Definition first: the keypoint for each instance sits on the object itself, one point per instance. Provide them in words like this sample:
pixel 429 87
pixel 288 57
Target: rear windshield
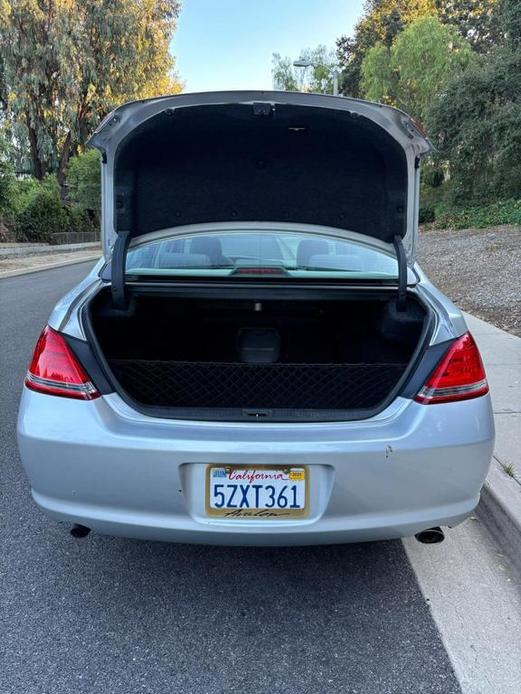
pixel 260 253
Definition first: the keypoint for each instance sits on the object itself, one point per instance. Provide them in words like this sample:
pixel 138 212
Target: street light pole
pixel 303 63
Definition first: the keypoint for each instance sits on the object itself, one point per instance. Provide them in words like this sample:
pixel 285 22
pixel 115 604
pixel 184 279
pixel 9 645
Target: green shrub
pixel 84 180
pixel 6 177
pixel 6 184
pixel 478 217
pixel 430 196
pixel 81 220
pixel 39 211
pixel 426 213
pixel 475 123
pixel 432 177
pixel 22 191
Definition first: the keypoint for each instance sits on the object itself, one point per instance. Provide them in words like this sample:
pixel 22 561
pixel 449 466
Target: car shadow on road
pixel 307 618
pixel 159 617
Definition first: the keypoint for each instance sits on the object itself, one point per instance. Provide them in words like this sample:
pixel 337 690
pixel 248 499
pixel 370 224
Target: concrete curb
pixel 500 507
pixel 49 266
pixel 500 511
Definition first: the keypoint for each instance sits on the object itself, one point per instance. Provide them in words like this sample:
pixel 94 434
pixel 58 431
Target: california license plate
pixel 262 492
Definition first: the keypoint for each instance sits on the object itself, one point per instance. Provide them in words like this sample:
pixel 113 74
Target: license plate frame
pixel 262 513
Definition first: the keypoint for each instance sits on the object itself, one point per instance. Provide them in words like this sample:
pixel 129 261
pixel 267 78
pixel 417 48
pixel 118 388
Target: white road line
pixel 475 600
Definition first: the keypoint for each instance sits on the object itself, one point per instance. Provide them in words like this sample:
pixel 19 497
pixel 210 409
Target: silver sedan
pixel 257 359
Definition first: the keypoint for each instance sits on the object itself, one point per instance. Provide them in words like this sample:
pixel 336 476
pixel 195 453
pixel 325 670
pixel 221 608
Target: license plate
pixel 260 492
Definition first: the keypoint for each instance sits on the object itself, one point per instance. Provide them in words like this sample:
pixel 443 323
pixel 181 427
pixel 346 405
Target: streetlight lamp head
pixel 302 63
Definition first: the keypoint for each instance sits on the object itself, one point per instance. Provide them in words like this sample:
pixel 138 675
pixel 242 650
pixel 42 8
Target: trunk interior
pixel 243 358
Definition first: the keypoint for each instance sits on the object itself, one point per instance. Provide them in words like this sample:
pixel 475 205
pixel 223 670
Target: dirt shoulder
pixel 479 269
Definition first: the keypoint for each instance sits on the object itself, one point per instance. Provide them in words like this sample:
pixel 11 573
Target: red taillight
pixel 459 375
pixel 55 370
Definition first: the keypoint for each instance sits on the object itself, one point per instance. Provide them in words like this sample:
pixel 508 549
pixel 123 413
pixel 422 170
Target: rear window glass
pixel 260 252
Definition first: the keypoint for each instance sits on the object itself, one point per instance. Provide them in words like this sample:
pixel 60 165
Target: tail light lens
pixel 460 375
pixel 55 370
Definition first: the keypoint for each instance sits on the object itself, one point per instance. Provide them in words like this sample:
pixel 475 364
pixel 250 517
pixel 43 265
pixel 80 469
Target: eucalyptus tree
pixel 66 63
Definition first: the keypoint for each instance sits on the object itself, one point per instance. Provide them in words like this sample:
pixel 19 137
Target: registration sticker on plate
pixel 262 492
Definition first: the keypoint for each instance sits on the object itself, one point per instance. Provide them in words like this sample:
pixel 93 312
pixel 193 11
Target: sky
pixel 228 44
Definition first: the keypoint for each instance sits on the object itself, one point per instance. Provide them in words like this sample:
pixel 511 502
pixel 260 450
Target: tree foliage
pixel 284 75
pixel 84 180
pixel 511 23
pixel 66 63
pixel 477 21
pixel 414 70
pixel 476 125
pixel 425 55
pixel 385 19
pixel 474 20
pixel 379 80
pixel 6 176
pixel 317 78
pixel 381 22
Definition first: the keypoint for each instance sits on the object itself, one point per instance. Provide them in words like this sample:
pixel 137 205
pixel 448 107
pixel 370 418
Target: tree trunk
pixel 64 159
pixel 38 165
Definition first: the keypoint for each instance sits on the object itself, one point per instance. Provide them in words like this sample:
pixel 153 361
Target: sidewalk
pixel 501 497
pixel 11 250
pixel 17 259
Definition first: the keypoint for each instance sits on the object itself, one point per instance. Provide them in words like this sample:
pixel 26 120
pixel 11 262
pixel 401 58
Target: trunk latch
pixel 257 414
pixel 263 110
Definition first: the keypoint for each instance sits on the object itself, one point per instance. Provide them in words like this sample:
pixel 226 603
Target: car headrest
pixel 255 246
pixel 336 262
pixel 208 245
pixel 177 260
pixel 310 247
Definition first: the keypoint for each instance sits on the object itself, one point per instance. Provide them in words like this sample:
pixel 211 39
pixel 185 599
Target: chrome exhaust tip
pixel 431 536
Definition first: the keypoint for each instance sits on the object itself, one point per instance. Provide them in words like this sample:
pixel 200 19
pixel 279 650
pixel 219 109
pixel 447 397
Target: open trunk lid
pixel 259 156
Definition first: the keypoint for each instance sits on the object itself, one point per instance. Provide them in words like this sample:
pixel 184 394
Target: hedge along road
pixel 115 615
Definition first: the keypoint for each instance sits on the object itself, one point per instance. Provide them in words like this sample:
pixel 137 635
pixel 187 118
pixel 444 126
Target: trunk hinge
pixel 401 301
pixel 119 257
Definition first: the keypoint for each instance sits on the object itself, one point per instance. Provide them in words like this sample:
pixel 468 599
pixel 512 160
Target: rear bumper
pixel 103 465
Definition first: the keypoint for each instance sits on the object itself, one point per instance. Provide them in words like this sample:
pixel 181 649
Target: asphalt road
pixel 107 615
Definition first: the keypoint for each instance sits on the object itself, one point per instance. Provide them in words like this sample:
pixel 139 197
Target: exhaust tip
pixel 79 531
pixel 431 536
